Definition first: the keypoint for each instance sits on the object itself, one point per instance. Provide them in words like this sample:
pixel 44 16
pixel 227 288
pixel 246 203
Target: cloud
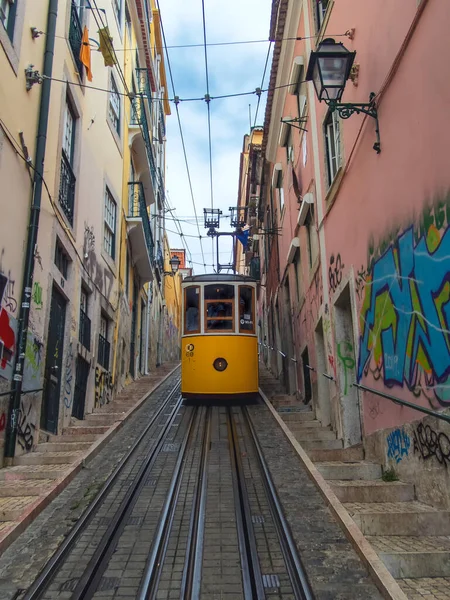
pixel 231 69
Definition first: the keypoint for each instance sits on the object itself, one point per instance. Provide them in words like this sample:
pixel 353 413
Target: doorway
pixel 323 405
pixel 306 376
pixel 79 396
pixel 133 330
pixel 142 336
pixel 346 363
pixel 53 363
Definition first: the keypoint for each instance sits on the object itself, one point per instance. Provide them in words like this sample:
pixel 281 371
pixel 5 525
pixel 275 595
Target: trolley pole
pixel 33 227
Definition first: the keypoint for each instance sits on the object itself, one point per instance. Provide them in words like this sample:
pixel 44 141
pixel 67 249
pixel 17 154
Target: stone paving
pixel 22 561
pixel 427 588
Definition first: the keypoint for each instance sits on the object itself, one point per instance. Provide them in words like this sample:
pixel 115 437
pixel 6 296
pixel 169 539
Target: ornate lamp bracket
pixel 346 109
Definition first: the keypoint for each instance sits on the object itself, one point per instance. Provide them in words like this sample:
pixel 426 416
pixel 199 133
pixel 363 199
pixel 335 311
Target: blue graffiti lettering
pixel 398 442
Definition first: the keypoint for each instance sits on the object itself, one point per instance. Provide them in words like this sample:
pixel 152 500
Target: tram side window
pixel 246 309
pixel 219 307
pixel 192 316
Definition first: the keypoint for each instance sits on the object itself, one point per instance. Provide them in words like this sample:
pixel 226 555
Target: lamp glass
pixel 175 264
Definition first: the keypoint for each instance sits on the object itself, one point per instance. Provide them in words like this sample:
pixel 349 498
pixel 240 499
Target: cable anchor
pixel 32 77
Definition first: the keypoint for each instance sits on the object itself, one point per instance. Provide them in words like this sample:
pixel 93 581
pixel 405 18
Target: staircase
pixel 411 538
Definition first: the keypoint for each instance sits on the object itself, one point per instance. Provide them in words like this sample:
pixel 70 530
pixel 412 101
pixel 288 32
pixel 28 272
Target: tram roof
pixel 206 277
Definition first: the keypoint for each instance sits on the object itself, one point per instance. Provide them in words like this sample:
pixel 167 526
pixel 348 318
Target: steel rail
pixel 153 567
pixel 88 582
pixel 299 579
pixel 41 582
pixel 191 581
pixel 251 570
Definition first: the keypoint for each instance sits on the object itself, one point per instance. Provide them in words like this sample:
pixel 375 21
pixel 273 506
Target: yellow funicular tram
pixel 219 346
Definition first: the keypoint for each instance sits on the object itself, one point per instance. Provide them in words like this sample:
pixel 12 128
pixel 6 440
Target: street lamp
pixel 329 68
pixel 174 263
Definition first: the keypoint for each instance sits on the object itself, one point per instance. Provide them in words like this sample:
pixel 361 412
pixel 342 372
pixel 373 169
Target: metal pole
pixel 24 314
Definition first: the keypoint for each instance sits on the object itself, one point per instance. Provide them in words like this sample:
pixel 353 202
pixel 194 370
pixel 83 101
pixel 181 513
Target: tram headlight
pixel 220 364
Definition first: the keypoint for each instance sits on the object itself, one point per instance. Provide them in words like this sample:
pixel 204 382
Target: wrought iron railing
pixel 103 352
pixel 137 208
pixel 159 259
pixel 84 333
pixel 67 188
pixel 139 117
pixel 75 36
pixel 162 124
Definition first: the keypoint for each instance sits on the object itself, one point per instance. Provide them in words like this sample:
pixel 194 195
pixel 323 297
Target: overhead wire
pixel 169 67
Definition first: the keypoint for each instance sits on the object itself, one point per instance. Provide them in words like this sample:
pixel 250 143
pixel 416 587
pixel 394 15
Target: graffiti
pixel 360 282
pixel 8 328
pixel 405 317
pixel 102 278
pixel 37 295
pixel 2 422
pixel 103 387
pixel 398 443
pixel 68 377
pixel 33 361
pixel 345 357
pixel 374 407
pixel 335 271
pixel 25 428
pixel 429 443
pixel 332 364
pixel 7 298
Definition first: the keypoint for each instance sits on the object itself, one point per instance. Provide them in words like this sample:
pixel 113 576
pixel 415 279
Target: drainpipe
pixel 33 226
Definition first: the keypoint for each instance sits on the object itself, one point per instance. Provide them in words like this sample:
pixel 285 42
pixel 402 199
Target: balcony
pixel 103 352
pixel 67 188
pixel 84 332
pixel 75 37
pixel 139 231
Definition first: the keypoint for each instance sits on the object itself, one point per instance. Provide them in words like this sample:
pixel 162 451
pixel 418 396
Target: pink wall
pixel 381 223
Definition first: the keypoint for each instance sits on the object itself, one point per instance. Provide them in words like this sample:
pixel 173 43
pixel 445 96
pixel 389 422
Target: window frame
pixel 280 190
pixel 114 106
pixel 9 19
pixel 69 111
pixel 107 227
pixel 320 8
pixel 118 10
pixel 333 135
pixel 192 331
pixel 253 313
pixel 206 318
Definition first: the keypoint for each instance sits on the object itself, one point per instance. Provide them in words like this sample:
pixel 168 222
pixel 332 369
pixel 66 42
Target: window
pixel 246 309
pixel 312 237
pixel 128 23
pixel 68 180
pixel 298 274
pixel 8 15
pixel 109 229
pixel 84 334
pixel 219 307
pixel 192 306
pixel 61 259
pixel 114 106
pixel 290 148
pixel 117 5
pixel 103 344
pixel 332 129
pixel 279 189
pixel 127 274
pixel 320 9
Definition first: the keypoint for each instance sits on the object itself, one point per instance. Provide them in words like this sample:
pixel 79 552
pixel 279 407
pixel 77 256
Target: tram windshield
pixel 192 315
pixel 219 307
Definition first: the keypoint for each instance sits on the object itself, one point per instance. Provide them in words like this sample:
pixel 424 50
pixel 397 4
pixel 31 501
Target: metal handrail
pixel 427 411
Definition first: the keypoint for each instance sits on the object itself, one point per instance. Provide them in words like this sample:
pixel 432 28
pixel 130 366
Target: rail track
pixel 163 530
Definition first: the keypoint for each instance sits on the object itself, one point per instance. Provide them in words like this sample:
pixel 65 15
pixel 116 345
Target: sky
pixel 232 69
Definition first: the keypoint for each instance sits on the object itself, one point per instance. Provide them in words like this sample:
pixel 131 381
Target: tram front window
pixel 219 307
pixel 246 309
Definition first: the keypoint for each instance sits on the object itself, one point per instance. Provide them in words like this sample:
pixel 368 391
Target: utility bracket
pixel 32 77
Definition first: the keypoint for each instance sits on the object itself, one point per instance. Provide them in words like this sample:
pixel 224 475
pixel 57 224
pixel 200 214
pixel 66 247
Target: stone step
pixel 86 430
pixel 72 438
pixel 414 556
pixel 24 487
pixel 297 416
pixel 340 455
pixel 11 508
pixel 399 518
pixel 350 470
pixel 66 446
pixel 284 400
pixel 114 408
pixel 312 434
pixel 102 419
pixel 372 491
pixel 309 445
pixel 23 472
pixel 423 588
pixel 302 425
pixel 47 458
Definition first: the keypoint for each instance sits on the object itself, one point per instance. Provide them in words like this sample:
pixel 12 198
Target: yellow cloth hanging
pixel 106 47
pixel 85 53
